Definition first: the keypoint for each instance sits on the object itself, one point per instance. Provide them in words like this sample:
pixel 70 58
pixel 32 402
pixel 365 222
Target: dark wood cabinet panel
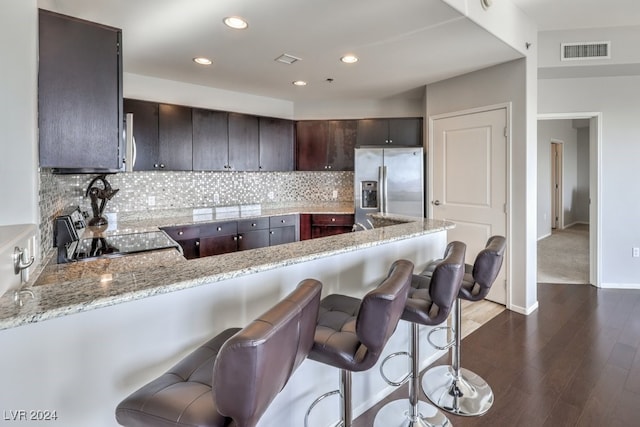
pixel 342 141
pixel 218 245
pixel 210 140
pixel 305 226
pixel 80 116
pixel 190 248
pixel 396 131
pixel 276 144
pixel 372 132
pixel 253 239
pixel 405 131
pixel 323 225
pixel 175 137
pixel 282 235
pixel 325 144
pixel 145 132
pixel 311 145
pixel 244 140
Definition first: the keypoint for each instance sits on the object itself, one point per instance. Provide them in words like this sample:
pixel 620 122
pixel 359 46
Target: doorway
pixel 568 195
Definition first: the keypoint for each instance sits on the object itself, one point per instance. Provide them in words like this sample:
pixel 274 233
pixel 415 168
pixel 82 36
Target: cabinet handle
pixel 391 141
pixel 161 165
pixel 180 233
pixel 235 238
pixel 155 165
pixel 240 237
pixel 282 221
pixel 333 220
pixel 198 243
pixel 253 224
pixel 272 232
pixel 219 228
pixel 329 166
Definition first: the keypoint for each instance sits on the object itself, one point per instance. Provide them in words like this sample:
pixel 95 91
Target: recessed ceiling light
pixel 300 83
pixel 349 59
pixel 202 61
pixel 235 22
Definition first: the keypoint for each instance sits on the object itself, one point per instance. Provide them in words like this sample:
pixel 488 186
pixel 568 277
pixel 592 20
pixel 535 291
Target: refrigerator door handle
pixel 384 189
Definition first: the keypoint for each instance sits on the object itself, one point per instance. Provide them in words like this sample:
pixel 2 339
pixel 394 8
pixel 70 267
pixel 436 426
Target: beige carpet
pixel 563 257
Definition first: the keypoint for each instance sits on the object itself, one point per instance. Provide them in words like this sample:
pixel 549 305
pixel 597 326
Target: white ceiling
pixel 574 14
pixel 402 44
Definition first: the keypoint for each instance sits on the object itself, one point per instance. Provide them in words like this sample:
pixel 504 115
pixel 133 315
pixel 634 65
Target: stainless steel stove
pixel 69 226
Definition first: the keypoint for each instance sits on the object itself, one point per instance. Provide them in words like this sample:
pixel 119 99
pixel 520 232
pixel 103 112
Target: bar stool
pixel 429 303
pixel 451 387
pixel 231 379
pixel 351 333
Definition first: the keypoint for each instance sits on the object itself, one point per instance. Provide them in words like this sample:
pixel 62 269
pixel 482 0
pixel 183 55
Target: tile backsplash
pixel 144 191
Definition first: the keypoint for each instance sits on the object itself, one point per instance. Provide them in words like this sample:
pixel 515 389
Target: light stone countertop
pixel 63 289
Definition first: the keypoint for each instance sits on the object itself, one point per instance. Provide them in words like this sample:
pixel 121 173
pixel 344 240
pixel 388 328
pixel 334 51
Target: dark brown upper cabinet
pixel 325 145
pixel 80 116
pixel 145 121
pixel 397 131
pixel 175 138
pixel 210 140
pixel 276 144
pixel 244 142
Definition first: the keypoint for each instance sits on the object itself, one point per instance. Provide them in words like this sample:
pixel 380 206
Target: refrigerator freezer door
pixel 368 167
pixel 404 181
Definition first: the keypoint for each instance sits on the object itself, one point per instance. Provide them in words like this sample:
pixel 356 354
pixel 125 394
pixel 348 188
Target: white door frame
pixel 557 195
pixel 595 184
pixel 507 106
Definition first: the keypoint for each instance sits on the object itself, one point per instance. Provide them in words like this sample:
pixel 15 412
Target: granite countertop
pixel 63 289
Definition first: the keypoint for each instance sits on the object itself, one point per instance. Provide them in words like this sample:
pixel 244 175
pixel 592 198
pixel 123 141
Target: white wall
pixel 617 99
pixel 495 85
pixel 557 131
pixel 137 86
pixel 18 106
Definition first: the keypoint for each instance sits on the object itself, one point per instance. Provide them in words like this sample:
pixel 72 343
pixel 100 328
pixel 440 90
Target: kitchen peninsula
pixel 94 331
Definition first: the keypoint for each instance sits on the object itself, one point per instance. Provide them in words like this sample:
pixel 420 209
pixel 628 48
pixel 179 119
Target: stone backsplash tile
pixel 148 191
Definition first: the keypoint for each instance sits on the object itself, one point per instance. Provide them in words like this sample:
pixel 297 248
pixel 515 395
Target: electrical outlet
pixel 151 200
pixel 635 252
pixel 216 198
pixel 335 194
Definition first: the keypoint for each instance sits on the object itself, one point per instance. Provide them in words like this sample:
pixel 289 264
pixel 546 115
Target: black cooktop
pixel 123 244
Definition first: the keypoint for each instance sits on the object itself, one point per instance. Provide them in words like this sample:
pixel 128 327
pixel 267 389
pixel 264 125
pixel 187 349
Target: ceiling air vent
pixel 581 51
pixel 285 58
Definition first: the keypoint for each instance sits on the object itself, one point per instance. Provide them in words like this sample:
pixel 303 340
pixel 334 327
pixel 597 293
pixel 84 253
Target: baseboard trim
pixel 620 285
pixel 544 237
pixel 522 310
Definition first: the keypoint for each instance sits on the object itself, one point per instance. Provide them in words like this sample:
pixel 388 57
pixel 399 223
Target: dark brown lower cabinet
pixel 323 225
pixel 219 238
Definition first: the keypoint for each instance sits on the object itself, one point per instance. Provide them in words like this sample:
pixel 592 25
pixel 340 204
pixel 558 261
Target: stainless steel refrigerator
pixel 388 180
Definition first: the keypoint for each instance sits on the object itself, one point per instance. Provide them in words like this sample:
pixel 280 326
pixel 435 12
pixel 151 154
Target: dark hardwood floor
pixel 574 362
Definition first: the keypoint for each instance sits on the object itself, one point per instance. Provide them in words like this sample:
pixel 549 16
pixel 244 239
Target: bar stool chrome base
pixel 391 415
pixel 468 395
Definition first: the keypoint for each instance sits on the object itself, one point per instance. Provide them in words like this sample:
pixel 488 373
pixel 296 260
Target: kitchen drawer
pixel 253 224
pixel 329 219
pixel 183 232
pixel 218 229
pixel 282 221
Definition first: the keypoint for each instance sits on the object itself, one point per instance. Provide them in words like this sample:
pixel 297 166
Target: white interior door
pixel 469 181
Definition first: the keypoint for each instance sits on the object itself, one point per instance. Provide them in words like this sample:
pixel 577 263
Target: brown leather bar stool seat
pixel 451 387
pixel 429 303
pixel 351 333
pixel 231 379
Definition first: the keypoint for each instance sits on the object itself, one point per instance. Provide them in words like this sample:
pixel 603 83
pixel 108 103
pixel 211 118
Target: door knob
pixel 436 202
